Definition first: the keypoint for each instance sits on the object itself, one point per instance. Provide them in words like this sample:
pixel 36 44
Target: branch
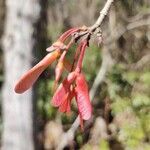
pixel 103 13
pixel 144 61
pixel 122 30
pixel 98 23
pixel 137 17
pixel 106 63
pixel 69 135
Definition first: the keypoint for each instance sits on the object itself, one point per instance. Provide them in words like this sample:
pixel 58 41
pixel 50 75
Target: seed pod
pixel 29 78
pixel 63 89
pixel 57 45
pixel 82 97
pixel 65 106
pixel 58 70
pixel 65 35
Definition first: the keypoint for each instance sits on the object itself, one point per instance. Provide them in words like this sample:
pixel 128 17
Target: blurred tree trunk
pixel 18 43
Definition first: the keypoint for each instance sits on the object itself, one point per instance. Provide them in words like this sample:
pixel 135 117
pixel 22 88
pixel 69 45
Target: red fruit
pixel 82 97
pixel 65 35
pixel 60 67
pixel 58 70
pixel 63 89
pixel 65 106
pixel 29 78
pixel 82 51
pixel 57 45
pixel 60 93
pixel 71 77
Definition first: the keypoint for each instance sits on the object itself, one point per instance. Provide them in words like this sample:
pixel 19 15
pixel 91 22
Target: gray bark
pixel 18 44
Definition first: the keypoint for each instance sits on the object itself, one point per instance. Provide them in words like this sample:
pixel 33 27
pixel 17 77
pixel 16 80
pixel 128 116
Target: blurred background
pixel 118 75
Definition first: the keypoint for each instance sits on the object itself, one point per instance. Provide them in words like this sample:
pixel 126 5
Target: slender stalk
pixel 80 60
pixel 76 55
pixel 68 136
pixel 103 13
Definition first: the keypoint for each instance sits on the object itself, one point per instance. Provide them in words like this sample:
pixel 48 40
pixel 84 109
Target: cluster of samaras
pixel 74 85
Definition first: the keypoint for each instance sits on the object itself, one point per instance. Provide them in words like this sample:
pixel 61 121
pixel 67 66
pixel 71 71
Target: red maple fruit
pixel 82 97
pixel 29 78
pixel 74 85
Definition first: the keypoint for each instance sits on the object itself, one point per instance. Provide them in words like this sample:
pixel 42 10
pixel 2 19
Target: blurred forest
pixel 118 75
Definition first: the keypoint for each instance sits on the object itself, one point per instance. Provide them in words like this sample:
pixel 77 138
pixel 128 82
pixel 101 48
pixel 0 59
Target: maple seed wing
pixel 60 94
pixel 82 97
pixel 64 105
pixel 29 78
pixel 63 89
pixel 51 49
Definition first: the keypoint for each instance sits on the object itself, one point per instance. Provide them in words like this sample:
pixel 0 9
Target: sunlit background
pixel 118 75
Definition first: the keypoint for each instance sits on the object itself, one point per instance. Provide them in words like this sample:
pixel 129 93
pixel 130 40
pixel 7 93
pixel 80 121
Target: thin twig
pixel 131 26
pixel 106 62
pixel 69 135
pixel 144 61
pixel 98 23
pixel 103 13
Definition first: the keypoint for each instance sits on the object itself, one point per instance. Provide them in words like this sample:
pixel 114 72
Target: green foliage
pixel 92 60
pixel 44 95
pixel 145 78
pixel 80 139
pixel 131 106
pixel 131 135
pixel 104 145
pixel 128 90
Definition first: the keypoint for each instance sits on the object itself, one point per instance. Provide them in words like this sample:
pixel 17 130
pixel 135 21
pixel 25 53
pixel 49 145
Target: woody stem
pixel 103 13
